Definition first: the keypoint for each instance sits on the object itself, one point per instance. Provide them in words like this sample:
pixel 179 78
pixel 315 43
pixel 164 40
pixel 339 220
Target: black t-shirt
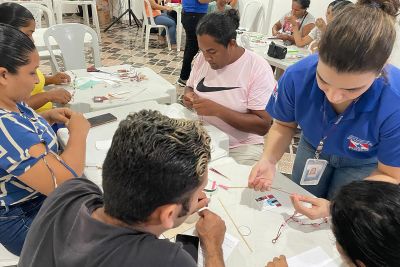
pixel 64 234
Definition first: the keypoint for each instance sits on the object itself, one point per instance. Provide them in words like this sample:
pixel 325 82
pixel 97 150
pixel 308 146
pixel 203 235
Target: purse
pixel 277 51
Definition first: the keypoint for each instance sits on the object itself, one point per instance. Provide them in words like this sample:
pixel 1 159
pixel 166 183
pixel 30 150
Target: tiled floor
pixel 122 45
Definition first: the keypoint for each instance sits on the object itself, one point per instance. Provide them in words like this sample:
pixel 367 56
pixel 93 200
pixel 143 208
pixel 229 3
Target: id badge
pixel 313 171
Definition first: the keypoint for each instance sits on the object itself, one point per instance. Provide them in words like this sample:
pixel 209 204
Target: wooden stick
pixel 237 228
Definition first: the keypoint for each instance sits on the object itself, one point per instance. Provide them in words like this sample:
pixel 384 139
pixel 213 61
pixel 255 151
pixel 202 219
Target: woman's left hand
pixel 57 115
pixel 278 262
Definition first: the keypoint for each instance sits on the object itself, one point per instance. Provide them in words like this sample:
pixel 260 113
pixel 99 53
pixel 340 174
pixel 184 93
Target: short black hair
pixel 304 3
pixel 15 15
pixel 220 25
pixel 153 161
pixel 15 47
pixel 366 222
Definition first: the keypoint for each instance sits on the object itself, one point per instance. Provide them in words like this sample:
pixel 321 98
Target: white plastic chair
pixel 47 3
pixel 250 14
pixel 148 24
pixel 58 7
pixel 38 10
pixel 70 38
pixel 7 258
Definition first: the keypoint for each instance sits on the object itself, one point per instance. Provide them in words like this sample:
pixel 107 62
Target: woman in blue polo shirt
pixel 30 167
pixel 346 101
pixel 192 12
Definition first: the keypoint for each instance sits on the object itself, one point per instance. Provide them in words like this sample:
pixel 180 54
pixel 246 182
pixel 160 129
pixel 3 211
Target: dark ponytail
pixel 15 47
pixel 361 37
pixel 15 15
pixel 220 25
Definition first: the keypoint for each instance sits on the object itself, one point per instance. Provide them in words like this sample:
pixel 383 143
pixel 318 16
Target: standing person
pixel 153 179
pixel 346 101
pixel 230 86
pixel 320 26
pixel 40 100
pixel 366 230
pixel 299 16
pixel 192 12
pixel 30 167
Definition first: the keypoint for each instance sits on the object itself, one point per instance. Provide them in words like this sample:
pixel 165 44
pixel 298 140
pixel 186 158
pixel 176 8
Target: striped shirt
pixel 18 133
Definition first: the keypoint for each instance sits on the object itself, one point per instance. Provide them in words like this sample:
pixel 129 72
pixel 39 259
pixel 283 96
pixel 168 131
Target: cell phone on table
pixel 101 119
pixel 190 244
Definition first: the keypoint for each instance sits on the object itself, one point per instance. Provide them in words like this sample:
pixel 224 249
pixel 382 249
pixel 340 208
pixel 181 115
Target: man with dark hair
pixel 153 177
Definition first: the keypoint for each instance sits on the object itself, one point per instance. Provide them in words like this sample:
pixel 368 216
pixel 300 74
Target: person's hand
pixel 59 95
pixel 319 206
pixel 202 202
pixel 168 8
pixel 320 24
pixel 261 175
pixel 78 124
pixel 188 98
pixel 205 107
pixel 278 262
pixel 211 230
pixel 57 115
pixel 59 78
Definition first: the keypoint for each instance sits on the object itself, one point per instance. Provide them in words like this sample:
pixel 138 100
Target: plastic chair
pixel 250 14
pixel 58 5
pixel 148 24
pixel 38 10
pixel 70 38
pixel 7 258
pixel 47 3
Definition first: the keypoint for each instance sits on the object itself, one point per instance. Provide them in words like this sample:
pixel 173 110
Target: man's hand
pixel 202 202
pixel 58 78
pixel 262 175
pixel 206 107
pixel 319 206
pixel 211 230
pixel 59 95
pixel 278 262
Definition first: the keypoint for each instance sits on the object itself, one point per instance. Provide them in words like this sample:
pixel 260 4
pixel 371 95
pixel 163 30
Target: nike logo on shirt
pixel 204 89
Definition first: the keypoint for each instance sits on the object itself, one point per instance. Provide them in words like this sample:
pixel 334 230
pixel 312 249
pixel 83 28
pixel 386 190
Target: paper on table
pixel 315 257
pixel 103 145
pixel 230 242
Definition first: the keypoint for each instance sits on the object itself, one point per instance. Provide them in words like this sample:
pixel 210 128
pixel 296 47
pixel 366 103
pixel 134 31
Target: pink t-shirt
pixel 246 84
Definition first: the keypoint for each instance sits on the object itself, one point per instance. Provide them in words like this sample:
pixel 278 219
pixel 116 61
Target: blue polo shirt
pixel 370 128
pixel 194 6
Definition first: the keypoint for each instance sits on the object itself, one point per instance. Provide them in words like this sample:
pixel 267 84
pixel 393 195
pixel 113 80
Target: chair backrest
pixel 250 14
pixel 38 10
pixel 146 5
pixel 47 3
pixel 70 38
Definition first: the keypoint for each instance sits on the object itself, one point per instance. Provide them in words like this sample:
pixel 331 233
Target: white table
pixel 154 87
pixel 259 43
pixel 241 205
pixel 95 157
pixel 178 9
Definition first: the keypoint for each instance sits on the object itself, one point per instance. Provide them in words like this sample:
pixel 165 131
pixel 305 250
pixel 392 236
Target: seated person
pixel 153 177
pixel 315 35
pixel 40 100
pixel 230 86
pixel 283 29
pixel 218 6
pixel 30 167
pixel 163 19
pixel 365 222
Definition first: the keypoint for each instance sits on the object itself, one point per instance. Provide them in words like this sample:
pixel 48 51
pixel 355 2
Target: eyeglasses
pixel 295 218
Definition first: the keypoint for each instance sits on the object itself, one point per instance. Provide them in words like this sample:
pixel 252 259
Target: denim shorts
pixel 15 222
pixel 339 171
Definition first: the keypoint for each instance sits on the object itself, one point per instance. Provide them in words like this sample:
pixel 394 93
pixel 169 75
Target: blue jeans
pixel 15 223
pixel 339 171
pixel 166 20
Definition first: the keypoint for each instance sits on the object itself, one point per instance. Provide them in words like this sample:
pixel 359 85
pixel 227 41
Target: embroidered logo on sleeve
pixel 359 145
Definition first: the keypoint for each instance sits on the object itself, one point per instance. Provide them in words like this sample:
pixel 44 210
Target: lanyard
pixel 331 129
